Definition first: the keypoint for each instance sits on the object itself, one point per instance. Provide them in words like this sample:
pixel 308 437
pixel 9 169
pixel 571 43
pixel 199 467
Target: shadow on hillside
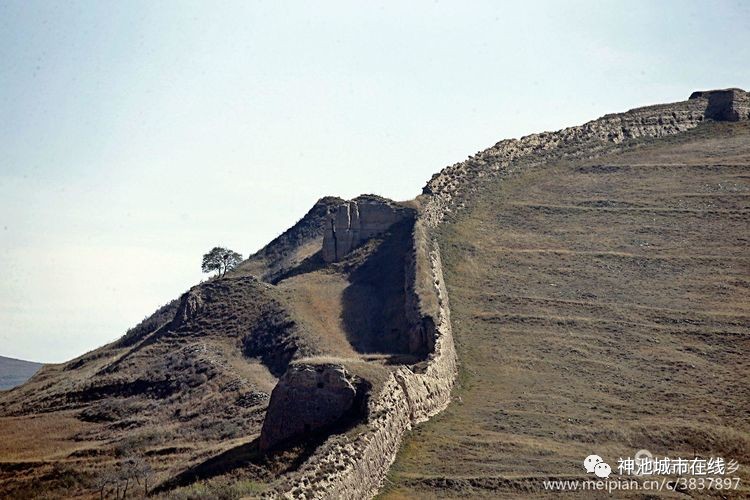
pixel 240 457
pixel 374 303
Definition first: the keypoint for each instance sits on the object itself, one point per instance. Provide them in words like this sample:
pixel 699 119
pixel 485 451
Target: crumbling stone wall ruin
pixel 353 466
pixel 448 187
pixel 350 466
pixel 730 105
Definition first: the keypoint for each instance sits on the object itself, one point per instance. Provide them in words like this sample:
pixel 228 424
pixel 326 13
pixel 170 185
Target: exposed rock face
pixel 191 303
pixel 358 220
pixel 308 398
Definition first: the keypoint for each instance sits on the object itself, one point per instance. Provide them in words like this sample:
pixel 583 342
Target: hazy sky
pixel 134 136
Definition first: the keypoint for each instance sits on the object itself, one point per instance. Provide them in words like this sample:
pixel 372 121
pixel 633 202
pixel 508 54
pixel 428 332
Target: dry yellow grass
pixel 41 437
pixel 186 392
pixel 317 300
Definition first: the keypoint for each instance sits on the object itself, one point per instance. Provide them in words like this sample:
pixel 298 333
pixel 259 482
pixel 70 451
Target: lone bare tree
pixel 221 260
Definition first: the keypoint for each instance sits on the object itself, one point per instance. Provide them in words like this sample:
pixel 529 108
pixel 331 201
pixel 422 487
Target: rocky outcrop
pixel 309 398
pixel 191 303
pixel 355 221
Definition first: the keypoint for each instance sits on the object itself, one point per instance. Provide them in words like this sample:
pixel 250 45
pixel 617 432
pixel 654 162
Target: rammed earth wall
pixel 353 466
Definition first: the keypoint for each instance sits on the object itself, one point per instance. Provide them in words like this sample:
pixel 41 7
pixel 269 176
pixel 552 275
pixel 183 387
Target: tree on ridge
pixel 221 260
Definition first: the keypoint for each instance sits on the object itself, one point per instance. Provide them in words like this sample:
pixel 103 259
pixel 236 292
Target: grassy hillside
pixel 599 306
pixel 15 372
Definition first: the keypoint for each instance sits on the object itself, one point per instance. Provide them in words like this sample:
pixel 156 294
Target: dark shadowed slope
pixel 599 306
pixel 15 372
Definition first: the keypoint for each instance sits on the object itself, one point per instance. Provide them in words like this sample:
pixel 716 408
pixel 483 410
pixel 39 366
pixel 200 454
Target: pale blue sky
pixel 134 136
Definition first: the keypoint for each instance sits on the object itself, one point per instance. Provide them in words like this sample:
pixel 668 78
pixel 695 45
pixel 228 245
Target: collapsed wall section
pixel 353 222
pixel 730 105
pixel 314 396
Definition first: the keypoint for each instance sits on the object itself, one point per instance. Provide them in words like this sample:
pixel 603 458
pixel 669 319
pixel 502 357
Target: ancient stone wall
pixel 447 187
pixel 730 105
pixel 314 395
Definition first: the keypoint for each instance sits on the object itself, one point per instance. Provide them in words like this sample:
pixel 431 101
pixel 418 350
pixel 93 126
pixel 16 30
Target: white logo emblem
pixel 591 462
pixel 602 470
pixel 595 464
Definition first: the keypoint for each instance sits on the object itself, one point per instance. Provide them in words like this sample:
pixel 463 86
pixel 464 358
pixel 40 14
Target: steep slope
pixel 348 467
pixel 600 305
pixel 15 372
pixel 169 395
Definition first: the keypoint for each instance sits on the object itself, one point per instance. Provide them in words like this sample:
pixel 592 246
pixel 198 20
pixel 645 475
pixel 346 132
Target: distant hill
pixel 15 372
